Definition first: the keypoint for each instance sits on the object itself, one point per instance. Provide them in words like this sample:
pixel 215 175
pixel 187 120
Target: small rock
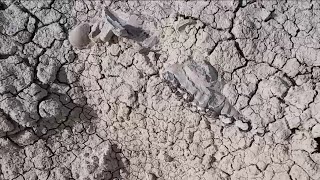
pixel 114 49
pixel 101 32
pixel 50 108
pixel 226 120
pixel 242 125
pixel 115 22
pixel 79 36
pixel 316 131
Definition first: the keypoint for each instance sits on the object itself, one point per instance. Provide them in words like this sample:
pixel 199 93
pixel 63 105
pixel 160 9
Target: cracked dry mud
pixel 105 112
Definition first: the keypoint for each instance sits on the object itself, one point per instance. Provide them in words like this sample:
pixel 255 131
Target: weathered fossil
pixel 79 36
pixel 198 84
pixel 102 30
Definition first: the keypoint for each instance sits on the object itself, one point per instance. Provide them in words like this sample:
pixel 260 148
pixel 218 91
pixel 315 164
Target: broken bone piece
pixel 242 125
pixel 116 22
pixel 226 120
pixel 95 31
pixel 106 33
pixel 151 41
pixel 79 36
pixel 124 25
pixel 101 32
pixel 102 29
pixel 203 73
pixel 197 83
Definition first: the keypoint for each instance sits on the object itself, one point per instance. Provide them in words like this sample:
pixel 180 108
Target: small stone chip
pixel 226 120
pixel 242 125
pixel 316 131
pixel 79 36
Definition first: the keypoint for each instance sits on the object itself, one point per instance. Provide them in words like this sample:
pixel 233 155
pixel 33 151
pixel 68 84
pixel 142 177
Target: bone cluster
pixel 101 30
pixel 198 84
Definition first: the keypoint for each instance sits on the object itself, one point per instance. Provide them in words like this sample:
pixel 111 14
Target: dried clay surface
pixel 107 111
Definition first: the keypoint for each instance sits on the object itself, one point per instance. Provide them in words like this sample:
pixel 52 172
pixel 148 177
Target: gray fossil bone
pixel 104 28
pixel 198 84
pixel 79 36
pixel 116 23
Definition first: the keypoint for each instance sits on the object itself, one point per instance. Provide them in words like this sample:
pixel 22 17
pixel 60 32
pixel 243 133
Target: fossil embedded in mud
pixel 102 30
pixel 198 84
pixel 79 36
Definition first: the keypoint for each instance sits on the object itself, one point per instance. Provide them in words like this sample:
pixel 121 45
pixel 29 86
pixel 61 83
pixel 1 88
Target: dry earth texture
pixel 105 112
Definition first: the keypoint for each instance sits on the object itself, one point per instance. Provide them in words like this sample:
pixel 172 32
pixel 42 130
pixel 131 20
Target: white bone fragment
pixel 79 36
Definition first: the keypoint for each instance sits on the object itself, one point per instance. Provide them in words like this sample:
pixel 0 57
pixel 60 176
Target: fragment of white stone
pixel 117 23
pixel 95 30
pixel 182 24
pixel 125 25
pixel 242 125
pixel 316 131
pixel 151 41
pixel 79 36
pixel 106 33
pixel 101 32
pixel 226 120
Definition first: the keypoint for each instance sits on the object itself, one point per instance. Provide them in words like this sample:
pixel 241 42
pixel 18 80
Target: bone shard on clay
pixel 198 83
pixel 102 30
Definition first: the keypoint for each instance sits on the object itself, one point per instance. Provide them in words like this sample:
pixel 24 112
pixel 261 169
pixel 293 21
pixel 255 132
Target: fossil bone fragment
pixel 198 84
pixel 104 28
pixel 101 32
pixel 110 24
pixel 116 23
pixel 86 33
pixel 79 36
